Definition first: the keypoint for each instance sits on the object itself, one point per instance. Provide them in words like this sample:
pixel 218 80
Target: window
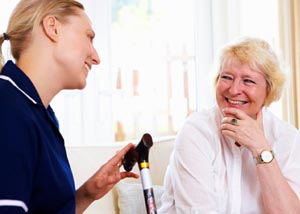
pixel 156 58
pixel 262 22
pixel 153 66
pixel 146 81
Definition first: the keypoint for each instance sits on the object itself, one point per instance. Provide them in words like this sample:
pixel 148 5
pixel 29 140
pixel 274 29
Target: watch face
pixel 266 156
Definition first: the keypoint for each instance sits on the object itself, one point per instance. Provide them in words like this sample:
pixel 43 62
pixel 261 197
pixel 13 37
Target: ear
pixel 50 27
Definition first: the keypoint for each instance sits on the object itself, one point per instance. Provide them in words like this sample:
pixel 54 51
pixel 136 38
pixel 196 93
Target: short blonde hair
pixel 27 17
pixel 259 55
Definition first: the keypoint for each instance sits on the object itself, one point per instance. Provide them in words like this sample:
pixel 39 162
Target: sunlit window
pixel 260 19
pixel 153 66
pixel 156 61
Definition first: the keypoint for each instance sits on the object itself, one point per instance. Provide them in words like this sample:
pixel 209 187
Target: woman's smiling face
pixel 239 86
pixel 75 51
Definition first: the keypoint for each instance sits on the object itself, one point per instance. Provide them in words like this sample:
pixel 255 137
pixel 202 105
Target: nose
pixel 235 87
pixel 95 57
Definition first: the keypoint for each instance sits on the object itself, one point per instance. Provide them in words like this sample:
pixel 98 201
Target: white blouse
pixel 208 173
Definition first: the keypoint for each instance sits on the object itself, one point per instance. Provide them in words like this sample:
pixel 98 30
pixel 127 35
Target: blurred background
pixel 157 60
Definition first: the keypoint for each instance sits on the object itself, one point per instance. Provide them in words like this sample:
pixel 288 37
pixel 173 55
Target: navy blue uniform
pixel 35 174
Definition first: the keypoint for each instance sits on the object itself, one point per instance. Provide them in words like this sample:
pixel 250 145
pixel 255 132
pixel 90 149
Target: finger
pixel 234 121
pixel 234 112
pixel 230 120
pixel 129 175
pixel 119 164
pixel 228 133
pixel 117 158
pixel 228 127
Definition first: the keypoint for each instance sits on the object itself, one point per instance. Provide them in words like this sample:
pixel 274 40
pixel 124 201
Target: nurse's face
pixel 76 53
pixel 241 87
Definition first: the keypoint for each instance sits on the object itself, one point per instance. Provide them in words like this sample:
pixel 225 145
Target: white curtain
pixel 289 23
pixel 86 116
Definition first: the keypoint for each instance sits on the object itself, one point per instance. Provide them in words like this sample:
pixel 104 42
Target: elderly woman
pixel 237 157
pixel 52 46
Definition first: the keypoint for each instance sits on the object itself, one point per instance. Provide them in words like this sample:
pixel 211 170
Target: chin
pixel 82 86
pixel 79 85
pixel 82 82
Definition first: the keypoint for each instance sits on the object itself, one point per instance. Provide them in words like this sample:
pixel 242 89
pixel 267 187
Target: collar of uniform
pixel 11 70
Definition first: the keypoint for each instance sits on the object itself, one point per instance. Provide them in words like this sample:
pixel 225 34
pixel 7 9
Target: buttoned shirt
pixel 208 173
pixel 35 172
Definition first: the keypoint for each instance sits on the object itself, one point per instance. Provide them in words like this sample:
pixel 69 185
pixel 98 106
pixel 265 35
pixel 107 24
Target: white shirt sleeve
pixel 190 178
pixel 209 174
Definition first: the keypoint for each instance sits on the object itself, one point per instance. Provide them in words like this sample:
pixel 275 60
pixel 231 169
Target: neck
pixel 38 72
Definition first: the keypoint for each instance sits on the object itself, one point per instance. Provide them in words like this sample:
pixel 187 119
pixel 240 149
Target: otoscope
pixel 140 154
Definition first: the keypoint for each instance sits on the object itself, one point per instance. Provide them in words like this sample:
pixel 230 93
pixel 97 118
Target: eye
pixel 226 77
pixel 249 81
pixel 91 36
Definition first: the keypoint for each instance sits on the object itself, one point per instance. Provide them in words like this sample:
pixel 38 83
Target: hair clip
pixel 5 36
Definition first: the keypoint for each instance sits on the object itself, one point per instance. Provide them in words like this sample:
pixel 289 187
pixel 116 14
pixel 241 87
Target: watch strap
pixel 260 160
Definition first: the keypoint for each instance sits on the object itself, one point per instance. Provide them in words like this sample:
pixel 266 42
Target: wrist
pixel 83 199
pixel 265 157
pixel 257 149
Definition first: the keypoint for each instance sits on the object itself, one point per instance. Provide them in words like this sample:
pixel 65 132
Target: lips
pixel 236 102
pixel 88 67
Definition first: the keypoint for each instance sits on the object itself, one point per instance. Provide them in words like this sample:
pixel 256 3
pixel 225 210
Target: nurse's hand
pixel 103 180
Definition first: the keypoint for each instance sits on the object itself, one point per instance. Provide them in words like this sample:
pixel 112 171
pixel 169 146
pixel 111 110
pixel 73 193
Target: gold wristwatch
pixel 264 157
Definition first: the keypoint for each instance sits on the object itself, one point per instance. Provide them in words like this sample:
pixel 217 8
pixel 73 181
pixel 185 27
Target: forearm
pixel 83 200
pixel 277 195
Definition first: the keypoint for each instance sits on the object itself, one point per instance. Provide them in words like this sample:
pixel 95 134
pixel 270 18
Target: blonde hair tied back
pixel 27 17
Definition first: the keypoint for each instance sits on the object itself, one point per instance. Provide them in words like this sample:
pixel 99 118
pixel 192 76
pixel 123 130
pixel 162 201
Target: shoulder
pixel 282 136
pixel 285 141
pixel 200 128
pixel 276 127
pixel 9 95
pixel 16 120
